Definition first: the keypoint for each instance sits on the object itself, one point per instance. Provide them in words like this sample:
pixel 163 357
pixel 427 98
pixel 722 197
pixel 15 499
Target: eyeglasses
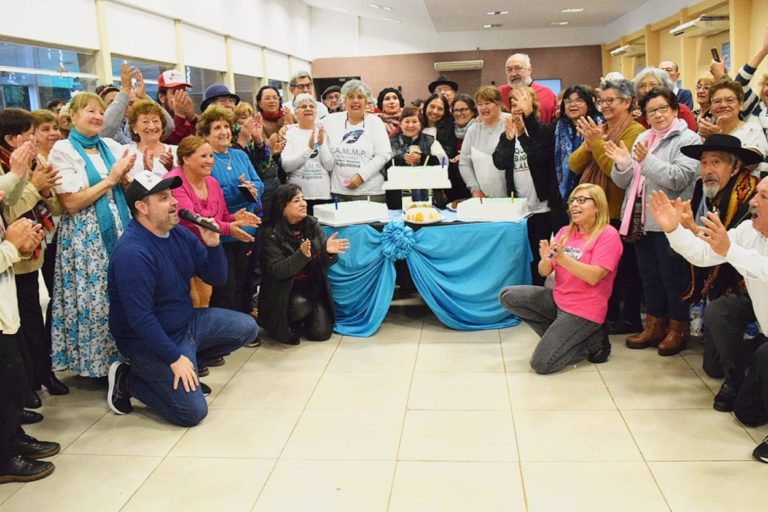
pixel 579 200
pixel 730 100
pixel 658 110
pixel 702 86
pixel 606 101
pixel 576 101
pixel 302 87
pixel 306 106
pixel 461 111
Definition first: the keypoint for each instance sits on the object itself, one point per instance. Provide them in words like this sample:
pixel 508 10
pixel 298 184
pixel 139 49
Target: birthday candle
pixel 336 202
pixel 481 199
pixel 442 163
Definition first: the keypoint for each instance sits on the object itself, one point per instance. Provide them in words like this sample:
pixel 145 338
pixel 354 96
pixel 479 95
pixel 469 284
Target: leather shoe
pixel 32 401
pixel 203 371
pixel 654 332
pixel 23 469
pixel 676 338
pixel 205 388
pixel 30 417
pixel 55 386
pixel 214 363
pixel 255 343
pixel 725 398
pixel 35 449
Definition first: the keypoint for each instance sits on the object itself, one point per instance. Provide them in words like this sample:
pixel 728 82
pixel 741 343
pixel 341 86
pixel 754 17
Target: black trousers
pixel 36 340
pixel 309 314
pixel 539 228
pixel 627 294
pixel 726 319
pixel 236 293
pixel 13 384
pixel 751 407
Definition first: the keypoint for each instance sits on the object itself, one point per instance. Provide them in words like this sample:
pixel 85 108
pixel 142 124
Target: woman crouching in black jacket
pixel 529 169
pixel 295 295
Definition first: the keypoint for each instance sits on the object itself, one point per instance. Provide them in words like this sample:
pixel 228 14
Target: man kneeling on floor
pixel 151 315
pixel 745 247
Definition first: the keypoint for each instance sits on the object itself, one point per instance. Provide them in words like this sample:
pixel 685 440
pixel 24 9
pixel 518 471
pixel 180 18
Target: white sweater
pixel 748 254
pixel 306 168
pixel 362 149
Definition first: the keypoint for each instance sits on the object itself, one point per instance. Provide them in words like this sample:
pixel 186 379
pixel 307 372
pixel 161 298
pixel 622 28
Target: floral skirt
pixel 80 317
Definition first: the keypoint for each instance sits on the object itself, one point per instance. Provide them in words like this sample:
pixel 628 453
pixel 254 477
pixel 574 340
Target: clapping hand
pixel 520 99
pixel 544 249
pixel 336 245
pixel 715 234
pixel 251 187
pixel 640 151
pixel 44 179
pixel 513 126
pixel 306 247
pixel 246 218
pixel 588 129
pixel 619 154
pixel 121 168
pixel 667 216
pixel 182 105
pixel 25 235
pixel 22 158
pixel 166 159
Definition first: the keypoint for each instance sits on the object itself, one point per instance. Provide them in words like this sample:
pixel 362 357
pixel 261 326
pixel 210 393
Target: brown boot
pixel 676 338
pixel 654 332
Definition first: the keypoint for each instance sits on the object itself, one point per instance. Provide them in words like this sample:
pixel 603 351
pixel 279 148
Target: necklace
pixel 229 160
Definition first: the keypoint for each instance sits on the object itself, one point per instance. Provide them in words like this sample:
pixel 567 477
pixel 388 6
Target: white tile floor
pixel 416 418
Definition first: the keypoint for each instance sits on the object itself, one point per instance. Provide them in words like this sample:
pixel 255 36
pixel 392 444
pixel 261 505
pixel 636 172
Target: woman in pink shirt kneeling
pixel 584 256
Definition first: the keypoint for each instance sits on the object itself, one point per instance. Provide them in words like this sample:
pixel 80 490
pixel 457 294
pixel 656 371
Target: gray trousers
pixel 565 338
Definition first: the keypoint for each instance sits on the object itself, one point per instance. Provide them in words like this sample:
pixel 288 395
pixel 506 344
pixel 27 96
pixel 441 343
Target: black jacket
pixel 281 260
pixel 539 146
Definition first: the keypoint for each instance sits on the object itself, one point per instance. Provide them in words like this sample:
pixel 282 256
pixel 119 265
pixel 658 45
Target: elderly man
pixel 726 186
pixel 150 311
pixel 744 247
pixel 302 82
pixel 172 95
pixel 519 75
pixel 683 95
pixel 445 87
pixel 330 97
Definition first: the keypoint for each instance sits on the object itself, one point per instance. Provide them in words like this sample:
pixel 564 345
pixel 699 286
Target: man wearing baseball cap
pixel 173 97
pixel 151 315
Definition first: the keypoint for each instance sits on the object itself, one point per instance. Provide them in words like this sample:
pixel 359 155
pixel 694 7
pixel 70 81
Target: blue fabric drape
pixel 363 281
pixel 458 270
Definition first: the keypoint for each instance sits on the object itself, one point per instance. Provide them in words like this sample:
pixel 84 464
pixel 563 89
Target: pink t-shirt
pixel 576 296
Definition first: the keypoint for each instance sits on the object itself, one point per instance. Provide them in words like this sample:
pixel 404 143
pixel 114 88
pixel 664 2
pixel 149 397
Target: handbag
pixel 635 231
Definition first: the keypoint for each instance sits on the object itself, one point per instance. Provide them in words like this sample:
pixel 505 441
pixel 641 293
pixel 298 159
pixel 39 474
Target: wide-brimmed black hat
pixel 725 143
pixel 442 80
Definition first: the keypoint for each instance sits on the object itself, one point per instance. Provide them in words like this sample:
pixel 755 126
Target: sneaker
pixel 255 343
pixel 118 398
pixel 24 469
pixel 205 388
pixel 725 398
pixel 761 451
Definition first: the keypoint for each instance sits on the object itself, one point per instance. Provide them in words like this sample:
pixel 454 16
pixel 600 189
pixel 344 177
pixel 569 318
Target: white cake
pixel 351 212
pixel 422 213
pixel 492 209
pixel 405 177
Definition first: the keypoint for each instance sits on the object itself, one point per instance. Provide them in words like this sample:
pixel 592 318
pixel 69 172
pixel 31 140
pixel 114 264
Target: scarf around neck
pixel 107 225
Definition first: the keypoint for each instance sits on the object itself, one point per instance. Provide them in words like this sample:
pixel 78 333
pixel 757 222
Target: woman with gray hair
pixel 647 79
pixel 590 160
pixel 359 145
pixel 306 158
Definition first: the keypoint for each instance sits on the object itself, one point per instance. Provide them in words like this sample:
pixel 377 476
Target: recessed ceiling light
pixel 497 13
pixel 576 9
pixel 382 7
pixel 339 9
pixel 492 25
pixel 559 23
pixel 394 20
pixel 386 7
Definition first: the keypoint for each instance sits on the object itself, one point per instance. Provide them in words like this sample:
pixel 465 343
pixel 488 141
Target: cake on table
pixel 499 209
pixel 422 213
pixel 406 177
pixel 351 212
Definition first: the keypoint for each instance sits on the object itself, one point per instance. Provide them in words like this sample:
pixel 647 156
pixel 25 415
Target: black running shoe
pixel 118 398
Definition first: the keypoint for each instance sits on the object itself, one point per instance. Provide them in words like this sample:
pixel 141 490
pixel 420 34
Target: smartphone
pixel 715 54
pixel 246 193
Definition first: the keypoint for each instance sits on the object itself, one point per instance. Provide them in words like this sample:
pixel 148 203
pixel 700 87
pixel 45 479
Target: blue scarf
pixel 107 225
pixel 566 140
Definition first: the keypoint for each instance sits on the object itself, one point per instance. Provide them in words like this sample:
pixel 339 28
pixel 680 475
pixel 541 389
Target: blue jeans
pixel 213 332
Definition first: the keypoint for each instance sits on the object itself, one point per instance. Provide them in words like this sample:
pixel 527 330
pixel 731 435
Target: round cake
pixel 422 215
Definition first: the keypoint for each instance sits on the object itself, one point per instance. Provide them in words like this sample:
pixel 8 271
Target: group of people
pixel 624 184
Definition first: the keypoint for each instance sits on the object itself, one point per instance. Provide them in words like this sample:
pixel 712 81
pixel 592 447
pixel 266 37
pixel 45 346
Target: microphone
pixel 198 220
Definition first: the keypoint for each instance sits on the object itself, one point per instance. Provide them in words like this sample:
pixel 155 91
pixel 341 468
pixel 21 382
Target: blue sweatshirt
pixel 229 179
pixel 149 304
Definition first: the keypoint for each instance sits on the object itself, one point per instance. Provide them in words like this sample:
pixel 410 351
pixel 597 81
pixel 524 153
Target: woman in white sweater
pixel 359 145
pixel 306 158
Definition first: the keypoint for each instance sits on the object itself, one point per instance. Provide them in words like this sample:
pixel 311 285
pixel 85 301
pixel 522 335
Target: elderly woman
pixel 464 113
pixel 95 214
pixel 702 98
pixel 390 102
pixel 594 166
pixel 201 193
pixel 306 158
pixel 147 124
pixel 359 145
pixel 657 163
pixel 275 117
pixel 37 202
pixel 569 318
pixel 525 154
pixel 647 79
pixel 476 163
pixel 296 296
pixel 242 188
pixel 726 97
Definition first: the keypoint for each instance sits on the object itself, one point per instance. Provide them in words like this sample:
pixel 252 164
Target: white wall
pixel 52 22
